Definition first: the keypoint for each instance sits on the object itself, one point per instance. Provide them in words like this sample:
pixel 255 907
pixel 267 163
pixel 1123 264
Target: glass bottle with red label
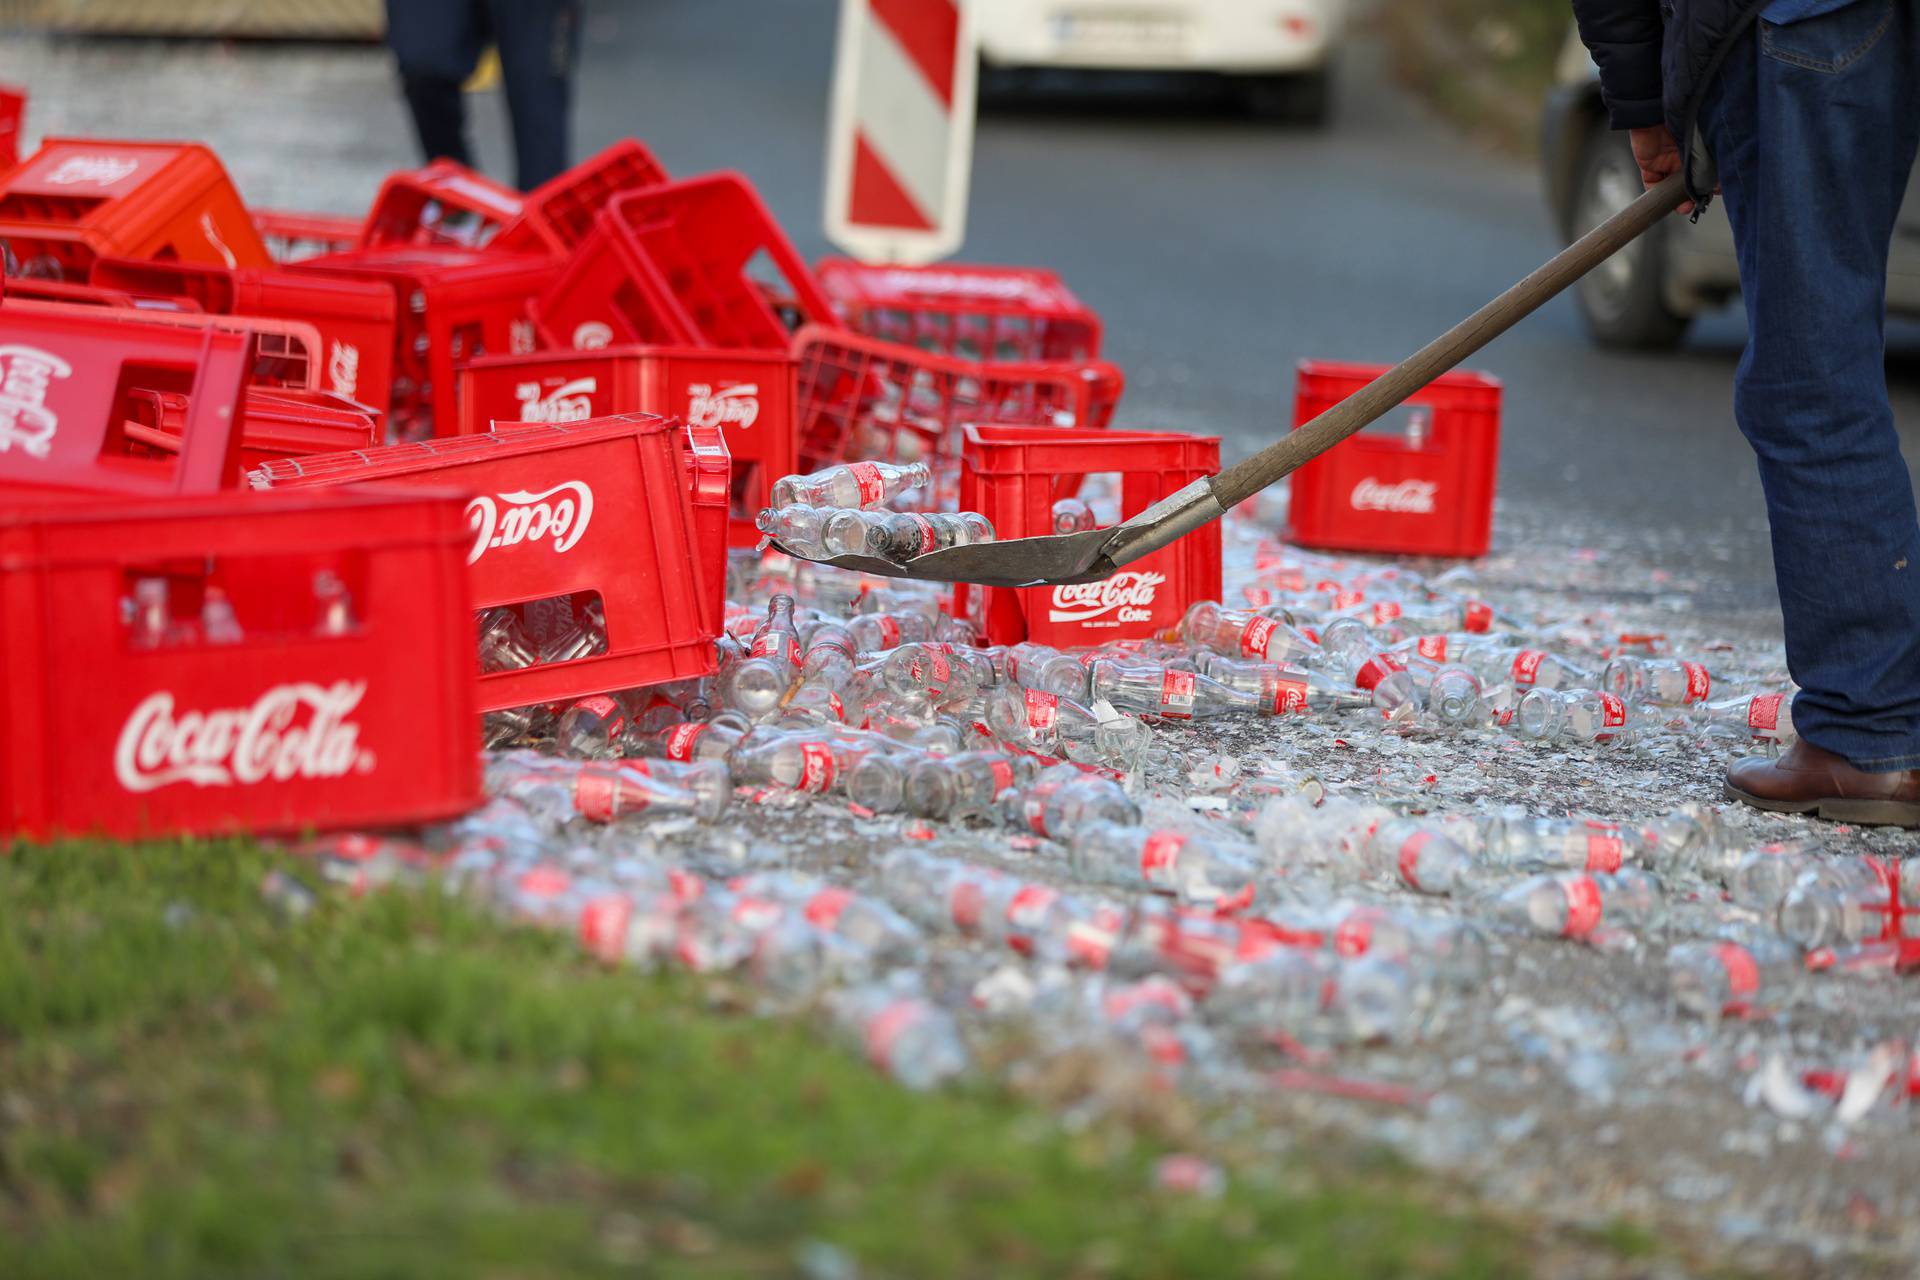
pixel 1666 682
pixel 1760 717
pixel 1729 978
pixel 1525 668
pixel 1194 867
pixel 1419 856
pixel 1559 844
pixel 1151 689
pixel 1279 690
pixel 860 485
pixel 1578 904
pixel 1246 634
pixel 801 530
pixel 1576 715
pixel 965 785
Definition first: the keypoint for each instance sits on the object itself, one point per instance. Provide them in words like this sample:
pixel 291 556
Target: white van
pixel 1278 51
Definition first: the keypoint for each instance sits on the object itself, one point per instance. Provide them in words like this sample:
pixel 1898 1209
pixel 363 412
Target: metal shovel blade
pixel 1017 562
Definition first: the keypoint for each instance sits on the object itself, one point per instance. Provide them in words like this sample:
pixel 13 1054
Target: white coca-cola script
pixel 297 730
pixel 25 375
pixel 343 368
pixel 1128 596
pixel 737 405
pixel 568 402
pixel 1409 497
pixel 91 171
pixel 561 514
pixel 591 335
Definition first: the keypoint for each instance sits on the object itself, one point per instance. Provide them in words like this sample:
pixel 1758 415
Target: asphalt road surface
pixel 1221 250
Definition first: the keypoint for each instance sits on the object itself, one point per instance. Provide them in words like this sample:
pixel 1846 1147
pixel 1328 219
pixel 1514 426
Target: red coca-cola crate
pixel 19 289
pixel 443 204
pixel 557 215
pixel 864 398
pixel 1013 475
pixel 1422 483
pixel 291 235
pixel 355 318
pixel 274 423
pixel 747 394
pixel 453 305
pixel 13 111
pixel 693 263
pixel 709 470
pixel 287 353
pixel 134 719
pixel 985 313
pixel 69 377
pixel 77 199
pixel 584 509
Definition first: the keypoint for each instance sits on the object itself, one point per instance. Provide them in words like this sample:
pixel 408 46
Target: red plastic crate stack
pixel 698 263
pixel 344 698
pixel 287 353
pixel 444 204
pixel 748 395
pixel 174 421
pixel 1421 485
pixel 1014 475
pixel 354 318
pixel 274 423
pixel 76 378
pixel 79 199
pixel 983 313
pixel 602 510
pixel 13 111
pixel 865 398
pixel 453 305
pixel 557 215
pixel 291 235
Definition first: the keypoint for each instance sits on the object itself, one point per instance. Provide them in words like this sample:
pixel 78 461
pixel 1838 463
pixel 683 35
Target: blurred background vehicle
pixel 1279 54
pixel 1648 293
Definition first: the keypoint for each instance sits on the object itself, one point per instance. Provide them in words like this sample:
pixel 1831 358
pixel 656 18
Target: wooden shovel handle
pixel 1245 478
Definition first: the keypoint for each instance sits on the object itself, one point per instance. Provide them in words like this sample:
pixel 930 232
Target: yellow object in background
pixel 486 76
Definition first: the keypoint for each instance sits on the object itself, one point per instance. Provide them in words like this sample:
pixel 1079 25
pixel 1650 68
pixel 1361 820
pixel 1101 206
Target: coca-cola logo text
pixel 568 402
pixel 25 375
pixel 268 741
pixel 592 335
pixel 561 513
pixel 343 368
pixel 1004 288
pixel 737 405
pixel 91 171
pixel 1409 497
pixel 1129 596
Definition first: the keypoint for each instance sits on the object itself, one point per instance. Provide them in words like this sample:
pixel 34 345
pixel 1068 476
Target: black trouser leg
pixel 439 117
pixel 436 44
pixel 539 41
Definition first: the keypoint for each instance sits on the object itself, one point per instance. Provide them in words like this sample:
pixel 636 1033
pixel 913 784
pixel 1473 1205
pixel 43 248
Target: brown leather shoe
pixel 1805 779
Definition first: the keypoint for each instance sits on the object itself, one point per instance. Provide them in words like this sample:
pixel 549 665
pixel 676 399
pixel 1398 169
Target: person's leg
pixel 1813 127
pixel 539 41
pixel 436 45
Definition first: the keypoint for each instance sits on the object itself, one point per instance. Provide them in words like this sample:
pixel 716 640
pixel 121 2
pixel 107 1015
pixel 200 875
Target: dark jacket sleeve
pixel 1624 38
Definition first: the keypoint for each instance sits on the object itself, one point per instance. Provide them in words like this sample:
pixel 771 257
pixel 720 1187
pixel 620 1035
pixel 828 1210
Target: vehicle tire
pixel 1624 299
pixel 1303 98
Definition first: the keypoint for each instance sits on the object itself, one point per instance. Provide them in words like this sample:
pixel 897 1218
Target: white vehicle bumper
pixel 1235 36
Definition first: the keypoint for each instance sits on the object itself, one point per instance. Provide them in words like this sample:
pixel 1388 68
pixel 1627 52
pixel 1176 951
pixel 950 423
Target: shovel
pixel 1099 553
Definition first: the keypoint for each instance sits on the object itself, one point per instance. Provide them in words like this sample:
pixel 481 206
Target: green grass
pixel 192 1086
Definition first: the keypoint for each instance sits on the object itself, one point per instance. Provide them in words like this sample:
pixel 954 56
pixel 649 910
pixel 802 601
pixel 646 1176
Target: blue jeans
pixel 1814 125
